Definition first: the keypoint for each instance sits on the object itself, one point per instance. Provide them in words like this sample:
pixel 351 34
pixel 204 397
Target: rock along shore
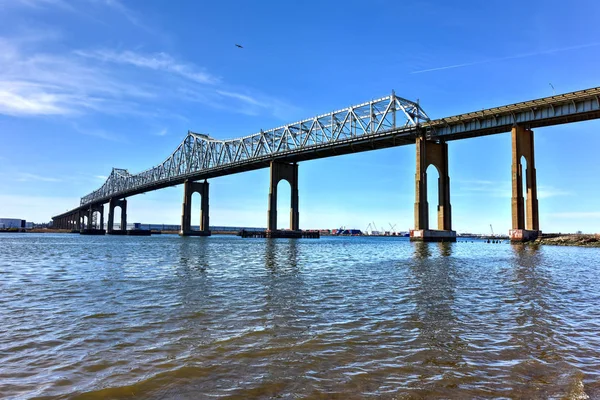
pixel 570 240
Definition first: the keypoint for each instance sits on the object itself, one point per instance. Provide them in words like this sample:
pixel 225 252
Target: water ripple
pixel 221 317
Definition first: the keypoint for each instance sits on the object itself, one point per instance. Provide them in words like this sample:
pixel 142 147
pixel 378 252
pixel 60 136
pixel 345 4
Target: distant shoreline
pixel 579 240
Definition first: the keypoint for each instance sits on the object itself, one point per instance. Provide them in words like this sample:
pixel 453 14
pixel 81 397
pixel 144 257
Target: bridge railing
pixel 199 152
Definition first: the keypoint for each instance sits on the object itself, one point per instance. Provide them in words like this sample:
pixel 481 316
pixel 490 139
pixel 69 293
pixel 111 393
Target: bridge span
pixel 386 122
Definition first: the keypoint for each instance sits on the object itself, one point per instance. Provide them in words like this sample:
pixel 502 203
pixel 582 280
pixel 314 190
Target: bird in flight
pixel 238 45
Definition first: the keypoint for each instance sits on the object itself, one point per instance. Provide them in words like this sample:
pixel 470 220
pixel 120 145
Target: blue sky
pixel 87 85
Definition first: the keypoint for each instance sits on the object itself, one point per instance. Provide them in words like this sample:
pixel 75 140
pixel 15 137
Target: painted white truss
pixel 200 153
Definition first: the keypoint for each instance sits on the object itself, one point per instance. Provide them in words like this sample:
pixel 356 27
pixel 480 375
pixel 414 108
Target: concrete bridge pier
pixel 113 203
pixel 101 216
pixel 90 228
pixel 189 188
pixel 288 172
pixel 432 153
pixel 525 225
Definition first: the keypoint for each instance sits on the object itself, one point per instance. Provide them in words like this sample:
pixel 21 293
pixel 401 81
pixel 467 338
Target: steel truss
pixel 198 153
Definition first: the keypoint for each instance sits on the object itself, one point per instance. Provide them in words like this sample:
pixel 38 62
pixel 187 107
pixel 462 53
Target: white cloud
pixel 22 98
pixel 158 62
pixel 48 84
pixel 162 132
pixel 101 177
pixel 36 81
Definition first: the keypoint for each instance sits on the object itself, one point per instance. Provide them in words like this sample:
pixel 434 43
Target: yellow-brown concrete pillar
pixel 289 172
pixel 525 216
pixel 189 188
pixel 432 153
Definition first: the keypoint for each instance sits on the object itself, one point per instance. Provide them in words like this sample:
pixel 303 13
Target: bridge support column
pixel 90 216
pixel 525 225
pixel 189 188
pixel 90 228
pixel 113 203
pixel 288 172
pixel 101 210
pixel 432 153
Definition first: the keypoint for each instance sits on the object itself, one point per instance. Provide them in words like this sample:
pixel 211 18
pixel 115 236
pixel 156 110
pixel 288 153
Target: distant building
pixel 7 223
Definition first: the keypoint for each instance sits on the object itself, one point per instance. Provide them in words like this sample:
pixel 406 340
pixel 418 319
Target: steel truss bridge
pixel 385 122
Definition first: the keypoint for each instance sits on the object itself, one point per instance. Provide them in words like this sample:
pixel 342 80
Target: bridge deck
pixel 365 127
pixel 569 107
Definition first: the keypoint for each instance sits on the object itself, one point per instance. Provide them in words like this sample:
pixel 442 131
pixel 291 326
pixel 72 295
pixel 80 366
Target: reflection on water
pixel 204 317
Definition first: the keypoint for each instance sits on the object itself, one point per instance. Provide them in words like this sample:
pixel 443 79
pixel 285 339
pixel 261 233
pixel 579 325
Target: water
pixel 336 318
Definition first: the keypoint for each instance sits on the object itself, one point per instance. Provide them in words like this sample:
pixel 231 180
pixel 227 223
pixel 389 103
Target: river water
pixel 336 318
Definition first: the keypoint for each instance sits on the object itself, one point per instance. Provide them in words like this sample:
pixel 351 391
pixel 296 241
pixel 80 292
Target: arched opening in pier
pixel 523 162
pixel 96 220
pixel 195 211
pixel 433 176
pixel 117 218
pixel 284 195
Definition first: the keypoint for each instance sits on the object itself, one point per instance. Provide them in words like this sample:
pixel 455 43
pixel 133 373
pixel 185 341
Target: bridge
pixel 386 122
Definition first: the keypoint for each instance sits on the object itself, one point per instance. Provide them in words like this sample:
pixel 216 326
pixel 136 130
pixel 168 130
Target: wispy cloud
pixel 98 133
pixel 491 60
pixel 25 98
pixel 49 84
pixel 101 177
pixel 245 98
pixel 37 80
pixel 27 177
pixel 162 132
pixel 545 192
pixel 80 7
pixel 158 62
pixel 43 4
pixel 125 11
pixel 254 104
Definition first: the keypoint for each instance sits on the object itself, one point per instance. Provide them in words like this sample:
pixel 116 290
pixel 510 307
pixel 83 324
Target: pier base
pixel 92 232
pixel 523 235
pixel 431 235
pixel 117 232
pixel 138 232
pixel 283 234
pixel 194 233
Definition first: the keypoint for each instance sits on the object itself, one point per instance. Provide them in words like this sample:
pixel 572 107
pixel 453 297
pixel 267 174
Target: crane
pixel 492 229
pixel 392 227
